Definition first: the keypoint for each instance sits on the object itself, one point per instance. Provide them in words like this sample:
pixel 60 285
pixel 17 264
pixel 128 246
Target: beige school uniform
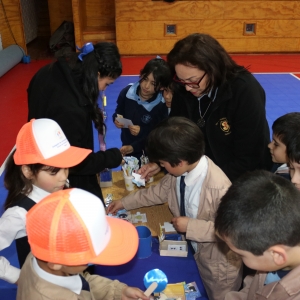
pixel 219 267
pixel 33 287
pixel 288 288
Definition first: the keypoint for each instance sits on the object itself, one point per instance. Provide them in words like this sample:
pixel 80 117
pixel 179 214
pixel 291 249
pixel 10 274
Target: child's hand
pixel 118 125
pixel 134 129
pixel 148 170
pixel 126 150
pixel 180 223
pixel 114 206
pixel 133 293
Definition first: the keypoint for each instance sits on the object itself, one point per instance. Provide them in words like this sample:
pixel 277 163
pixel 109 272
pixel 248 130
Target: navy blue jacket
pixel 139 115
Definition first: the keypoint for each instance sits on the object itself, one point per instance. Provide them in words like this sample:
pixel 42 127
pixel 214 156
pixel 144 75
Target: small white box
pixel 165 245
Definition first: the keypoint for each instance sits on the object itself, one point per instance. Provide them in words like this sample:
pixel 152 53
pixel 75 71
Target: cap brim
pixel 122 246
pixel 69 158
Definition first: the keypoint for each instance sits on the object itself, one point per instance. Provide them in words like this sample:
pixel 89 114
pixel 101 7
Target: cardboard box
pixel 173 248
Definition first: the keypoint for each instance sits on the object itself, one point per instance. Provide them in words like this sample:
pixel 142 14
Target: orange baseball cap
pixel 43 141
pixel 70 227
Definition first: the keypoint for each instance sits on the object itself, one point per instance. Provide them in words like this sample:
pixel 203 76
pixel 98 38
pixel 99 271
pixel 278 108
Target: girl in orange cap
pixel 37 167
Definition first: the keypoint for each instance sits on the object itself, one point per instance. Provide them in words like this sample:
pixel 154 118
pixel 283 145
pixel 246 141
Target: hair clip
pixel 158 57
pixel 86 49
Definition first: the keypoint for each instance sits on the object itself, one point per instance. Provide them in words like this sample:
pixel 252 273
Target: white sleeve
pixel 12 223
pixel 7 272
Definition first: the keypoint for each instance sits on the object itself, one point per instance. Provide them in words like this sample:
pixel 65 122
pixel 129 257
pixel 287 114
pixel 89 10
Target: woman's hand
pixel 133 293
pixel 149 170
pixel 114 206
pixel 127 149
pixel 134 129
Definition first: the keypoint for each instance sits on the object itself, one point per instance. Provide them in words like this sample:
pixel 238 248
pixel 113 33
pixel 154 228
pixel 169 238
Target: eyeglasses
pixel 190 84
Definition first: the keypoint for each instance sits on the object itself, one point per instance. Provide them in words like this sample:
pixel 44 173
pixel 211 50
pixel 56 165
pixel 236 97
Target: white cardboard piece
pixel 165 245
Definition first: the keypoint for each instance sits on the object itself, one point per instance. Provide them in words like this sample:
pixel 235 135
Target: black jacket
pixel 54 94
pixel 236 130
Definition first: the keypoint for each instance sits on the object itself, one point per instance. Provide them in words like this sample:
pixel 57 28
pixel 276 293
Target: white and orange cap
pixel 43 141
pixel 70 227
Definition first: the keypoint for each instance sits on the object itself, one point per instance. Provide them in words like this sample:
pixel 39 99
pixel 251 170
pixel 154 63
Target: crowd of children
pixel 60 230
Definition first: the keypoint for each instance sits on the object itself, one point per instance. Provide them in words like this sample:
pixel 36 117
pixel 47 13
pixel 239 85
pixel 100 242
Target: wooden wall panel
pixel 252 45
pixel 218 28
pixel 140 24
pixel 94 20
pixel 59 11
pixel 101 13
pixel 43 18
pixel 14 21
pixel 79 19
pixel 195 10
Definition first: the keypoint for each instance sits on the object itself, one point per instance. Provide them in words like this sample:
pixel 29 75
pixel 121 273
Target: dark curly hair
pixel 106 60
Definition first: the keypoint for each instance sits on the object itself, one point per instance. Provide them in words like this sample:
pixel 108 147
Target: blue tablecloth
pixel 177 269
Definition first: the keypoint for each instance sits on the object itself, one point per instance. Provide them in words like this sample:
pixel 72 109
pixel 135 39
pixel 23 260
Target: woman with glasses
pixel 224 100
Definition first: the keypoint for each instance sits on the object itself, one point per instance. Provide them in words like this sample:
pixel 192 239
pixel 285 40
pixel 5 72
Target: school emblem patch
pixel 224 125
pixel 146 119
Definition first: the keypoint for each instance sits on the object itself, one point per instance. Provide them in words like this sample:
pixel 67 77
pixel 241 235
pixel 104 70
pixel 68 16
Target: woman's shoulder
pixel 244 78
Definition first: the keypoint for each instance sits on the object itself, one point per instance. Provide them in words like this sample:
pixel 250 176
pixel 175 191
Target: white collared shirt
pixel 72 283
pixel 13 226
pixel 193 181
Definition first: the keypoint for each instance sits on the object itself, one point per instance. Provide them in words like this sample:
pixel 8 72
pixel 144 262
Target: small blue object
pixel 158 276
pixel 26 59
pixel 106 175
pixel 86 49
pixel 145 242
pixel 191 291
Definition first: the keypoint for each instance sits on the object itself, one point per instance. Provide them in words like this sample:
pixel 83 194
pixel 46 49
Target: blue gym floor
pixel 283 96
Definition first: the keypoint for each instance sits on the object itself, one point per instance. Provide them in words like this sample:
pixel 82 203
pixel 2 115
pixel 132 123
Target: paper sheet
pixel 124 121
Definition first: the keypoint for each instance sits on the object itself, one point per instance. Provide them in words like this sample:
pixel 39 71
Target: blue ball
pixel 158 276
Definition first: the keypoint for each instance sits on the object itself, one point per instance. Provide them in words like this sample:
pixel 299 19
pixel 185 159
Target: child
pixel 294 167
pixel 142 103
pixel 168 93
pixel 67 230
pixel 259 219
pixel 293 154
pixel 178 145
pixel 37 167
pixel 285 130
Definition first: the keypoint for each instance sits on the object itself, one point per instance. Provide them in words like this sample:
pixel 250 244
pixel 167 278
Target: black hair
pixel 15 181
pixel 106 60
pixel 160 70
pixel 207 54
pixel 260 210
pixel 175 139
pixel 287 129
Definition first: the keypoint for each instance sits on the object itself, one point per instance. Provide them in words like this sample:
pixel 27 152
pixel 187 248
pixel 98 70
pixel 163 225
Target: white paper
pixel 124 121
pixel 137 179
pixel 168 227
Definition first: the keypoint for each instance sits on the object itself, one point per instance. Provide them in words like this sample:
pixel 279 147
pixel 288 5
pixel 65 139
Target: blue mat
pixel 177 269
